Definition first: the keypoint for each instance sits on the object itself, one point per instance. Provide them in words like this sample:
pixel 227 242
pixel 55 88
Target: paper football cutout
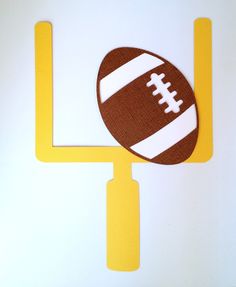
pixel 147 105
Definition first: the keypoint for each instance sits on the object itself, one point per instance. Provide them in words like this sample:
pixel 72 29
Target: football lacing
pixel 167 96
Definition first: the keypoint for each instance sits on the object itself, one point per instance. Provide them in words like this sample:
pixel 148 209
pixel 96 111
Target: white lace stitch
pixel 167 97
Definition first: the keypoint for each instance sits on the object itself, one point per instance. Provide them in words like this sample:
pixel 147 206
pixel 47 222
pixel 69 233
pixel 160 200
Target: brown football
pixel 147 105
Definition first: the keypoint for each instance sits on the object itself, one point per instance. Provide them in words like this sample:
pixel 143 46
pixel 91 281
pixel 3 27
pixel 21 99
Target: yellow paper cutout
pixel 123 246
pixel 203 89
pixel 123 239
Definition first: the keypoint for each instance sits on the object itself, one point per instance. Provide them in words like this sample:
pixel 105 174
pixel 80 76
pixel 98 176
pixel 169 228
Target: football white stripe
pixel 168 136
pixel 126 73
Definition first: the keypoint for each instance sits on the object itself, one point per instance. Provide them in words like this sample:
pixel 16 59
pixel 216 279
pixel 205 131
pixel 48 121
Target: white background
pixel 53 216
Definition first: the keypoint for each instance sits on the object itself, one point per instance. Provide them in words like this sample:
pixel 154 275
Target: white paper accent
pixel 126 73
pixel 168 136
pixel 166 96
